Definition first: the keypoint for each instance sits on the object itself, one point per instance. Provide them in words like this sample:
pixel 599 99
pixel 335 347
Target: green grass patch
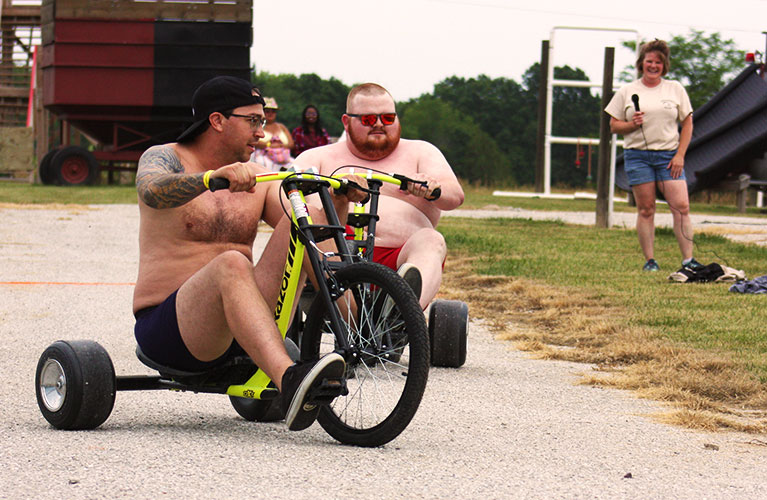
pixel 606 263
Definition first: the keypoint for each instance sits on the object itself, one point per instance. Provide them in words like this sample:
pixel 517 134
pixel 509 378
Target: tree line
pixel 486 127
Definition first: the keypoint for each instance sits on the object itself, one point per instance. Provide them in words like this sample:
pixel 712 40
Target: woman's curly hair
pixel 658 46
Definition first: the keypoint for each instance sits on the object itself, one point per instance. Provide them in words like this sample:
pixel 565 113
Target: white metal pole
pixel 550 83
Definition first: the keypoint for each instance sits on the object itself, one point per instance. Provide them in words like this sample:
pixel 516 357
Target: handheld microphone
pixel 635 100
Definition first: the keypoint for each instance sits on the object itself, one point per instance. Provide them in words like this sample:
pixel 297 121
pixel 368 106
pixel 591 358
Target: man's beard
pixel 375 149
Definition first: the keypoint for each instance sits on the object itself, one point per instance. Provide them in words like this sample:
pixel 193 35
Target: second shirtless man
pixel 406 238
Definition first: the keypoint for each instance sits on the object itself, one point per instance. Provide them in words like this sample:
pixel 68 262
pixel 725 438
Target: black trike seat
pixel 233 370
pixel 164 370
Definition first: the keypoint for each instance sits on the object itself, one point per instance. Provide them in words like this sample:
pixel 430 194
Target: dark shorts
pixel 160 340
pixel 644 166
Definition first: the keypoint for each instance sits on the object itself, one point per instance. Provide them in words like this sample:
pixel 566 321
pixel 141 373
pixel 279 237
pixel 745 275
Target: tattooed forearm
pixel 171 190
pixel 161 181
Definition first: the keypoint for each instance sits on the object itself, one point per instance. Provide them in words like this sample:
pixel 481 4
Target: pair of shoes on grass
pixel 692 265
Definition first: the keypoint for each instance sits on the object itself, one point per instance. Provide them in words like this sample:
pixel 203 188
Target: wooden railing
pixel 19 33
pixel 210 10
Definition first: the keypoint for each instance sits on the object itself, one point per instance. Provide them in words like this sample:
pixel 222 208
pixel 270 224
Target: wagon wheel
pixel 74 166
pixel 47 176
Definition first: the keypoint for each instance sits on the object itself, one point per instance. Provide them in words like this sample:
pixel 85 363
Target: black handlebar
pixel 404 181
pixel 217 183
pixel 435 194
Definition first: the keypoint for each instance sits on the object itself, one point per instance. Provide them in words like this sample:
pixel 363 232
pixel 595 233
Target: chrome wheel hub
pixel 53 385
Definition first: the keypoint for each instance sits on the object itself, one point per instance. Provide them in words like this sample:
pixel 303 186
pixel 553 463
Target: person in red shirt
pixel 310 134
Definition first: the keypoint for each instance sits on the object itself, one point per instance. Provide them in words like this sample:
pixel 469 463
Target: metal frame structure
pixel 549 139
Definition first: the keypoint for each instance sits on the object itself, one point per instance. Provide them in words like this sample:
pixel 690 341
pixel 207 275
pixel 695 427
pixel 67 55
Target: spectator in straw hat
pixel 273 150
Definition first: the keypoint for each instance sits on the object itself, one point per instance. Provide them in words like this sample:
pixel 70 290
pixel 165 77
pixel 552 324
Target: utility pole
pixel 540 141
pixel 603 167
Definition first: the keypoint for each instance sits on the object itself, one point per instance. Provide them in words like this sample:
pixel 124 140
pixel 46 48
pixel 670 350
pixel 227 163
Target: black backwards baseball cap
pixel 221 93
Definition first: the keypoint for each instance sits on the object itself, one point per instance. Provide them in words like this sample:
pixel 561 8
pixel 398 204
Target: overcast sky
pixel 409 45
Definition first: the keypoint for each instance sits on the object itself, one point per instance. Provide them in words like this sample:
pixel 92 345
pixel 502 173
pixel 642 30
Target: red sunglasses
pixel 370 119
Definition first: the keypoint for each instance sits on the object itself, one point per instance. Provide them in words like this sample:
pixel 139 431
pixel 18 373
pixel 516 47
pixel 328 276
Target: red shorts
pixel 382 255
pixel 387 256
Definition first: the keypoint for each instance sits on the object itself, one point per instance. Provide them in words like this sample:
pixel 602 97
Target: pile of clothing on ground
pixel 756 285
pixel 718 272
pixel 711 272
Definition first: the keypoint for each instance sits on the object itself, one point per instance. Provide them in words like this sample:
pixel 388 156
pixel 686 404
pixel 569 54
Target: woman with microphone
pixel 654 148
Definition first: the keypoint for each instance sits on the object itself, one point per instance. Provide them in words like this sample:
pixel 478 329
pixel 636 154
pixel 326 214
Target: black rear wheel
pixel 75 384
pixel 387 365
pixel 448 332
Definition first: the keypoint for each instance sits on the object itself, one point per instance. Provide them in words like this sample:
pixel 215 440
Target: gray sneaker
pixel 395 338
pixel 412 276
pixel 307 386
pixel 651 265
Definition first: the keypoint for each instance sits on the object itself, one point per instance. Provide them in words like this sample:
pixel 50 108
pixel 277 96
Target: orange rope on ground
pixel 61 283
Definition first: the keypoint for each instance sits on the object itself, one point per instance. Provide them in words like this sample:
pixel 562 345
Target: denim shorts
pixel 644 166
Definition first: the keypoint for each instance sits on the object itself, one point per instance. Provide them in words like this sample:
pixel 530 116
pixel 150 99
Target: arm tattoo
pixel 161 181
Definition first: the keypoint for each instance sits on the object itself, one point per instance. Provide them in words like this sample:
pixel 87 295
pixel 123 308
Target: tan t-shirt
pixel 665 106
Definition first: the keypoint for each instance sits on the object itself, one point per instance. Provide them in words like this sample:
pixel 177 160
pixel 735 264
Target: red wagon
pixel 123 73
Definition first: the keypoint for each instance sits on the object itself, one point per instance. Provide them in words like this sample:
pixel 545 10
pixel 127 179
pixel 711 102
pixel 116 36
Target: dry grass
pixel 704 390
pixel 729 231
pixel 48 206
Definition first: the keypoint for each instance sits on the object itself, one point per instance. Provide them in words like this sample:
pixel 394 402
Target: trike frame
pixel 448 319
pixel 356 329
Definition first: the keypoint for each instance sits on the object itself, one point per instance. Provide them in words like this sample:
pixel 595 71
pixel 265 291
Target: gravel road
pixel 502 426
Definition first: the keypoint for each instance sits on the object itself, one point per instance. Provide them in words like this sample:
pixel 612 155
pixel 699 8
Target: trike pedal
pixel 328 390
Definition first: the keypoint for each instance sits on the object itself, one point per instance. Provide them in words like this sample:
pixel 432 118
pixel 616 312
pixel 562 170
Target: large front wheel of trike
pixel 387 365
